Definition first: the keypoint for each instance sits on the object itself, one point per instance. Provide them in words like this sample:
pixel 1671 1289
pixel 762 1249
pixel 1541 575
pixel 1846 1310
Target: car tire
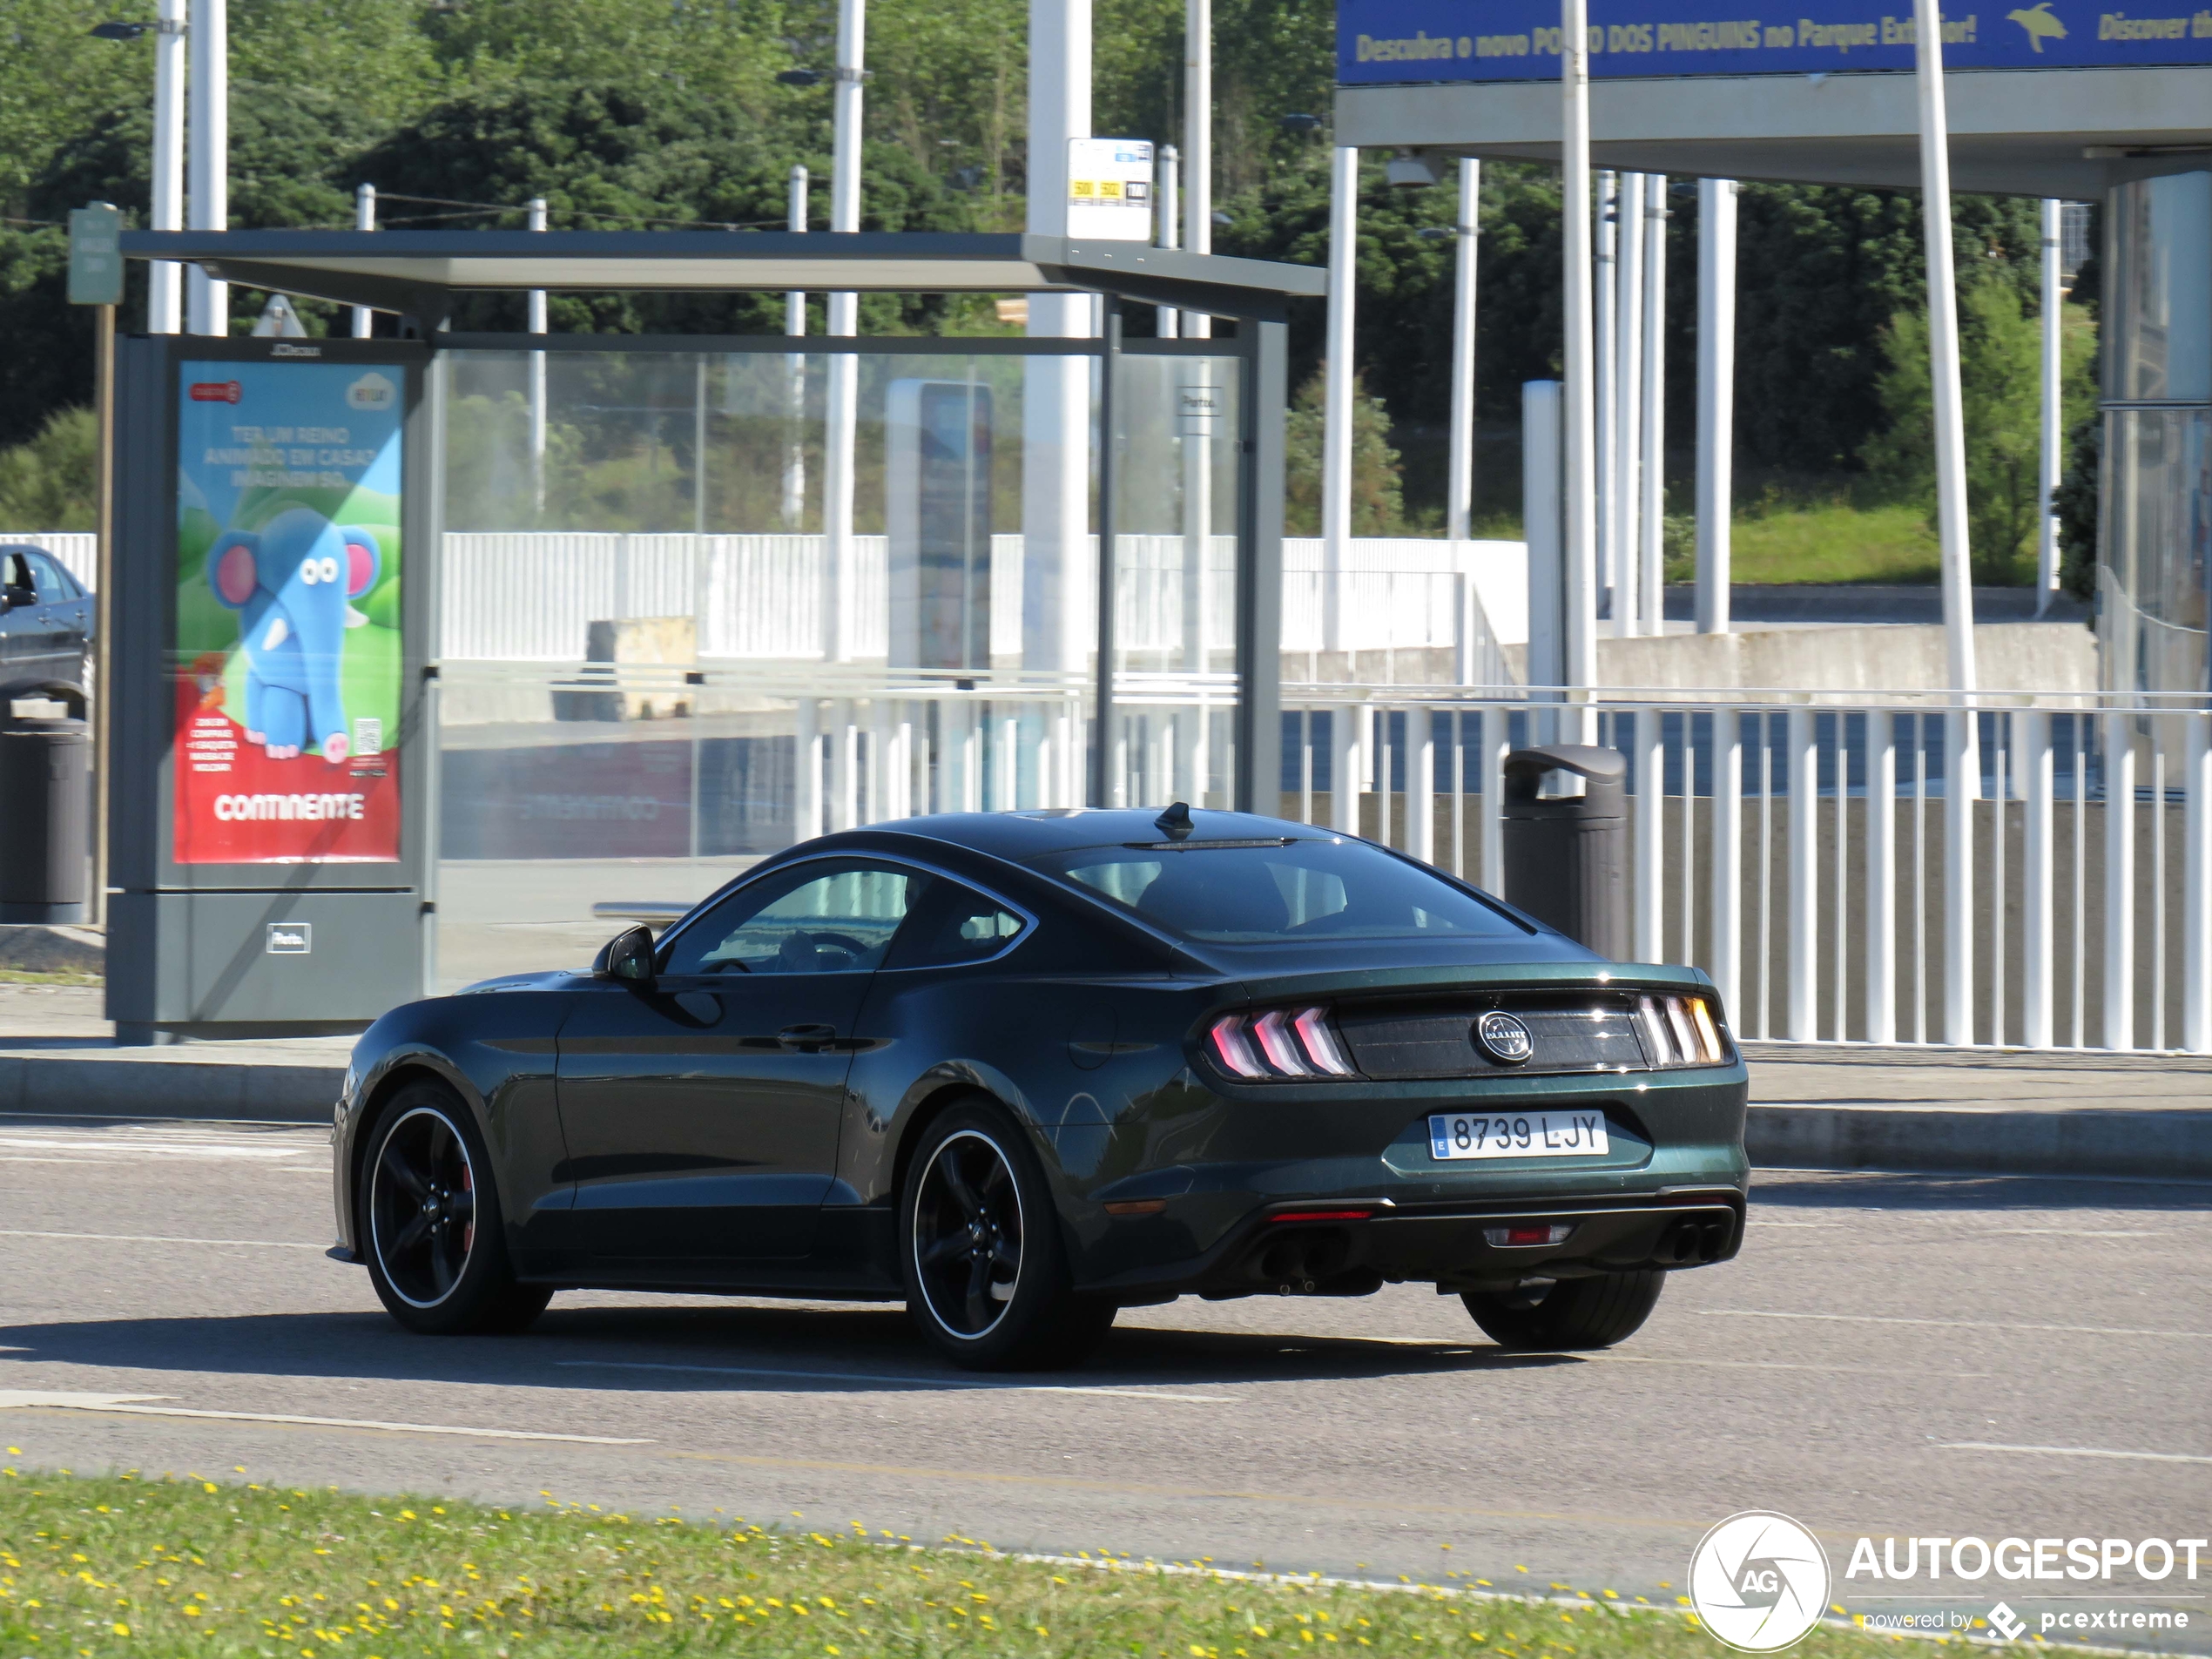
pixel 982 1253
pixel 1572 1313
pixel 431 1228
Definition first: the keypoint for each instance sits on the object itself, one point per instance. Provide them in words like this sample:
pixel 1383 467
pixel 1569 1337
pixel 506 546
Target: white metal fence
pixel 2031 872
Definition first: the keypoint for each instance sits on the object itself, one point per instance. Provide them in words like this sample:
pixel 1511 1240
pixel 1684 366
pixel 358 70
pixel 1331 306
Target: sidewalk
pixel 2002 1112
pixel 2008 1112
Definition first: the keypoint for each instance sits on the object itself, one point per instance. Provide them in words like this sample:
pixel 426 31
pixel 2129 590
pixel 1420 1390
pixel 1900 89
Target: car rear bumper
pixel 1349 1247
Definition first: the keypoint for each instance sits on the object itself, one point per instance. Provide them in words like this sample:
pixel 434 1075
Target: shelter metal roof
pixel 419 274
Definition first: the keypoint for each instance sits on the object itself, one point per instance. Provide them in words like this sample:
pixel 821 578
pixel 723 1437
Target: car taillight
pixel 1282 1042
pixel 1680 1031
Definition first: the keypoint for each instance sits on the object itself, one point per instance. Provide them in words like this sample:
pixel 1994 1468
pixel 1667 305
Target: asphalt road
pixel 1890 1355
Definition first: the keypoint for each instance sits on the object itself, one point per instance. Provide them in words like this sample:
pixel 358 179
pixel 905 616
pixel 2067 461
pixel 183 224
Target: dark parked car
pixel 1022 1069
pixel 46 624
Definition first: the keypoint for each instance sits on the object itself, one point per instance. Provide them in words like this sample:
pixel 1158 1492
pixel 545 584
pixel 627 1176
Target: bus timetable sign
pixel 1386 42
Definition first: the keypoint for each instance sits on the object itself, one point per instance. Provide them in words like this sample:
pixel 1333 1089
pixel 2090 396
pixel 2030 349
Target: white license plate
pixel 1517 1134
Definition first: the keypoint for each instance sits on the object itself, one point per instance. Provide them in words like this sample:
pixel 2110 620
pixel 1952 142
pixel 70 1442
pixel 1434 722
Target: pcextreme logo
pixel 1758 1581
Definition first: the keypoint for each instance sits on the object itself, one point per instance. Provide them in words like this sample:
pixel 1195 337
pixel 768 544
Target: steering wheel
pixel 844 942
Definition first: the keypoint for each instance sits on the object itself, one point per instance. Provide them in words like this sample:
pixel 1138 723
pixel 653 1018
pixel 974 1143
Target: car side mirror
pixel 628 956
pixel 18 598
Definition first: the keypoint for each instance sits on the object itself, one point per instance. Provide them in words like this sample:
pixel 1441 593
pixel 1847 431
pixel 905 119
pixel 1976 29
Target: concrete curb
pixel 2093 1141
pixel 109 1083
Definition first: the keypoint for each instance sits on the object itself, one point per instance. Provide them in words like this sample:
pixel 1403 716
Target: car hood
pixel 549 979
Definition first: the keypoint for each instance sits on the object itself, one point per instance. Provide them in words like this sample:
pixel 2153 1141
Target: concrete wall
pixel 2010 657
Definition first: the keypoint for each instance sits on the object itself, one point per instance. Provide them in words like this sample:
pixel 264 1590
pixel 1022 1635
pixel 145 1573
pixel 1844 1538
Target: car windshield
pixel 1268 892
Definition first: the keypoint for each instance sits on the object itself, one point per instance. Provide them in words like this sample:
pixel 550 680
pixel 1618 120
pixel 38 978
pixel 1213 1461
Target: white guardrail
pixel 2028 871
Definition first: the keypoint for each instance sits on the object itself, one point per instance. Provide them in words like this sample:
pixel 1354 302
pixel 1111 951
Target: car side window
pixel 832 917
pixel 954 924
pixel 53 581
pixel 16 571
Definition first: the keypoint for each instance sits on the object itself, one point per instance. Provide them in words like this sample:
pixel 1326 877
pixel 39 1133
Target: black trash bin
pixel 1566 855
pixel 45 802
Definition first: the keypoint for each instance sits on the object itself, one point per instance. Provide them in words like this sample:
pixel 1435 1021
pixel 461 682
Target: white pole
pixel 1716 396
pixel 1580 515
pixel 537 326
pixel 1726 967
pixel 1057 592
pixel 1336 413
pixel 1197 138
pixel 844 370
pixel 2047 572
pixel 1943 351
pixel 1461 507
pixel 1167 192
pixel 1628 380
pixel 1608 364
pixel 162 287
pixel 794 502
pixel 208 161
pixel 1652 555
pixel 364 220
pixel 1541 530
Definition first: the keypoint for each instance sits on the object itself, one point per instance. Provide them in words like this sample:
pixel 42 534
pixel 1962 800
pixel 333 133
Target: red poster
pixel 236 805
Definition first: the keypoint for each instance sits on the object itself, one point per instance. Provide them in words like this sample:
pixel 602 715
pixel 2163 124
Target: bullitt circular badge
pixel 1758 1581
pixel 1504 1038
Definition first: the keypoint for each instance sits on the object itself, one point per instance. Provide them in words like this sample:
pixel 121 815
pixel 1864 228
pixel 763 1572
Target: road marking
pixel 1957 1325
pixel 910 1382
pixel 122 1147
pixel 133 1405
pixel 2071 1451
pixel 1612 1359
pixel 2074 1233
pixel 159 1238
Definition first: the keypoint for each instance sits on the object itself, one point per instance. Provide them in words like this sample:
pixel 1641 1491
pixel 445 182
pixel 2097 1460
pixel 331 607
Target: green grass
pixel 1833 542
pixel 114 1566
pixel 24 976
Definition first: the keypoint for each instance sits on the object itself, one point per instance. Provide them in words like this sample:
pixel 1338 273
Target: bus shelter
pixel 393 603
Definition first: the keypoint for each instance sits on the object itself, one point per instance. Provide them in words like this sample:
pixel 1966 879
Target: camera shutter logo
pixel 1758 1581
pixel 1504 1038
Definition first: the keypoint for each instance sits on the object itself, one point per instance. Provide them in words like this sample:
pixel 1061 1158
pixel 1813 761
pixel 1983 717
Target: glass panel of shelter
pixel 665 654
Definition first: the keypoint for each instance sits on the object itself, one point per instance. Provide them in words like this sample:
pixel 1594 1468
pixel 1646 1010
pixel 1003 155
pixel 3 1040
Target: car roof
pixel 1018 837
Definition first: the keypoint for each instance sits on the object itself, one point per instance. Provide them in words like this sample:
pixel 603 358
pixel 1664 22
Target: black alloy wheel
pixel 968 1234
pixel 986 1268
pixel 422 1206
pixel 429 1221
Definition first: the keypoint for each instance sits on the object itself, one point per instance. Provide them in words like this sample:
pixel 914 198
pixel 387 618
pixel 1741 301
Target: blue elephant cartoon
pixel 291 583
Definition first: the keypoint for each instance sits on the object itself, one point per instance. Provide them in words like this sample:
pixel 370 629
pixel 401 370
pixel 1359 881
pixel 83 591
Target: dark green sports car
pixel 1022 1069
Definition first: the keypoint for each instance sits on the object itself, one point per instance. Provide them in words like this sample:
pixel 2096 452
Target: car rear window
pixel 1270 893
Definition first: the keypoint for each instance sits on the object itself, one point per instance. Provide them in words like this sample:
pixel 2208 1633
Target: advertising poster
pixel 287 664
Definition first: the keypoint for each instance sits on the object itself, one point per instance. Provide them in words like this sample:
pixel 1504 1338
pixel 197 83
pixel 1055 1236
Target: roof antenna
pixel 1175 823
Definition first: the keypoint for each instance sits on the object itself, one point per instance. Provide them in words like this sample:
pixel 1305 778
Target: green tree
pixel 2000 383
pixel 2076 501
pixel 46 481
pixel 1378 502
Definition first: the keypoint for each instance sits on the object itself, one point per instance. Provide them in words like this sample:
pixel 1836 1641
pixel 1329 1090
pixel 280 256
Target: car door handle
pixel 805 1039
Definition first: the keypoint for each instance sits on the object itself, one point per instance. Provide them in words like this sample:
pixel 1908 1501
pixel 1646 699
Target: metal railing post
pixel 2119 735
pixel 1804 1011
pixel 1961 784
pixel 1650 899
pixel 2038 779
pixel 2197 885
pixel 1346 752
pixel 1881 877
pixel 1420 783
pixel 1727 951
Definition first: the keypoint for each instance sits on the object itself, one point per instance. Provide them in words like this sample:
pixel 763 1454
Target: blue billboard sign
pixel 1387 42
